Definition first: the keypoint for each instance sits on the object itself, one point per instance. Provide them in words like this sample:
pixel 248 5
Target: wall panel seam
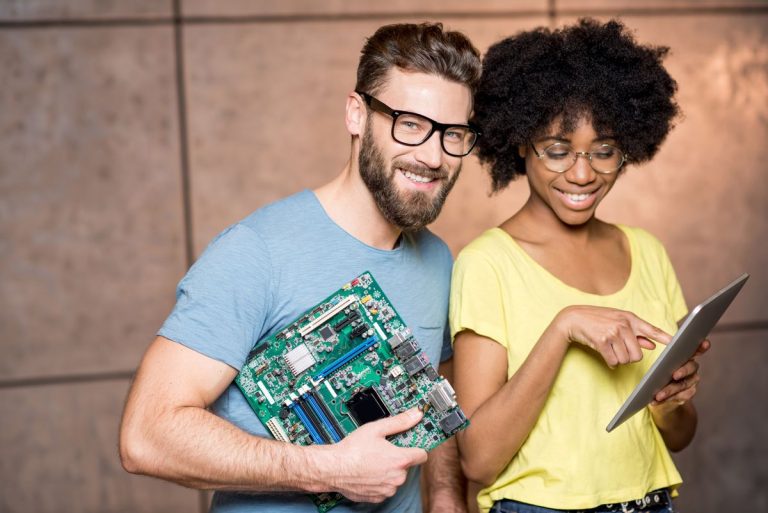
pixel 85 23
pixel 124 375
pixel 551 10
pixel 186 179
pixel 737 326
pixel 665 11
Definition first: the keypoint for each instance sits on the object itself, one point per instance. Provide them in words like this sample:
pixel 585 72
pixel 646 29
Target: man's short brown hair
pixel 425 48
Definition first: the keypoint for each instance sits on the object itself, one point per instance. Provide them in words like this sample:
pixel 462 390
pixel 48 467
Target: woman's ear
pixel 355 114
pixel 522 150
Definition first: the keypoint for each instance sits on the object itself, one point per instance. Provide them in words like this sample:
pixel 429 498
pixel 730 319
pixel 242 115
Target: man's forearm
pixel 445 483
pixel 167 432
pixel 195 448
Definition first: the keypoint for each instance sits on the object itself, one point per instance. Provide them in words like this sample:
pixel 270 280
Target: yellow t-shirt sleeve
pixel 671 285
pixel 476 298
pixel 658 260
pixel 674 291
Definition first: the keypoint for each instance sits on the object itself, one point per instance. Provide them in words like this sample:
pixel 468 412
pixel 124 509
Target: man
pixel 187 422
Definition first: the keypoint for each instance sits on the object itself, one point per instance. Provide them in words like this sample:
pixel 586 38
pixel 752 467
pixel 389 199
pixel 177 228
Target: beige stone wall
pixel 132 132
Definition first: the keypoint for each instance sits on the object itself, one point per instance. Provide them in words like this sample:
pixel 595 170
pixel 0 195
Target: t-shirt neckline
pixel 397 250
pixel 551 277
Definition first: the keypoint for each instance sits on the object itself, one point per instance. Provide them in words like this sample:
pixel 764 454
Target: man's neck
pixel 349 203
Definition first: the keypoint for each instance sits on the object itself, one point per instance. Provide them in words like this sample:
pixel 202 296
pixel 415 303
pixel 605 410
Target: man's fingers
pixel 415 456
pixel 399 423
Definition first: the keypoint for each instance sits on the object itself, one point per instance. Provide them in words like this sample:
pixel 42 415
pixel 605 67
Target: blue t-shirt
pixel 260 274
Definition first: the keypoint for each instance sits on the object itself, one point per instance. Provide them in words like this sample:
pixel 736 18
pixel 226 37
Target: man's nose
pixel 430 152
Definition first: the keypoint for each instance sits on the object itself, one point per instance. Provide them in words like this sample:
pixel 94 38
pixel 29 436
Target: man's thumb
pixel 400 422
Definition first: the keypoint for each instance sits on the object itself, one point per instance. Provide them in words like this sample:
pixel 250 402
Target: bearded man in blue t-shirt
pixel 186 421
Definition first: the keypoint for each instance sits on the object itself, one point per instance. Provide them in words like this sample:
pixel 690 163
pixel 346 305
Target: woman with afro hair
pixel 555 313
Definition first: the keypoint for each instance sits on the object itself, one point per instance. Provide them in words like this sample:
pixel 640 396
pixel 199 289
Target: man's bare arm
pixel 445 483
pixel 167 432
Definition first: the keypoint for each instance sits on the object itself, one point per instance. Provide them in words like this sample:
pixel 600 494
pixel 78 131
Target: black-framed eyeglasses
pixel 560 157
pixel 412 129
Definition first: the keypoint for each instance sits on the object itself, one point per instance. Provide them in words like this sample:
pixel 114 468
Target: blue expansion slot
pixel 347 357
pixel 323 418
pixel 307 423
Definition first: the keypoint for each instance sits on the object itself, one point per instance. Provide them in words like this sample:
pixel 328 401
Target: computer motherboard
pixel 348 361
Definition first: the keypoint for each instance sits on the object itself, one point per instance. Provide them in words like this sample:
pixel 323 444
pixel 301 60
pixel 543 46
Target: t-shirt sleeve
pixel 476 298
pixel 668 279
pixel 674 291
pixel 446 353
pixel 222 302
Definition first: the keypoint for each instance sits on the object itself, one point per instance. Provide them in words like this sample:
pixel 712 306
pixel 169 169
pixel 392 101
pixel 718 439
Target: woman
pixel 555 313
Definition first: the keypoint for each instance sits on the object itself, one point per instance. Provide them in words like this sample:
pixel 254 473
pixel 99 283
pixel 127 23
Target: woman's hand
pixel 672 410
pixel 616 335
pixel 682 386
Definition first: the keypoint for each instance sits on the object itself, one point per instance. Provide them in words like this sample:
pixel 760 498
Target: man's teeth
pixel 576 197
pixel 417 178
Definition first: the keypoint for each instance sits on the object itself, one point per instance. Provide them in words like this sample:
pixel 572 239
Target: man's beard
pixel 409 210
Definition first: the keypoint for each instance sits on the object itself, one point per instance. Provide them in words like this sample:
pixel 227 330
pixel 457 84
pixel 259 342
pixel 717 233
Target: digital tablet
pixel 694 329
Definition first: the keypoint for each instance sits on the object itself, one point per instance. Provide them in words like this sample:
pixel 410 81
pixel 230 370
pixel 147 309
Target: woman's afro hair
pixel 589 70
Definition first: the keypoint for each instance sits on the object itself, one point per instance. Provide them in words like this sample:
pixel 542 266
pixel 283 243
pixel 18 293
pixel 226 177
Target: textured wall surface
pixel 132 132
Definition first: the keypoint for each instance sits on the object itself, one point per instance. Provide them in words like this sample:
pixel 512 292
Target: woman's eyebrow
pixel 555 137
pixel 565 138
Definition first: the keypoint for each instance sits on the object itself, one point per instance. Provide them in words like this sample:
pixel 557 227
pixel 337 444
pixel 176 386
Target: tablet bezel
pixel 693 330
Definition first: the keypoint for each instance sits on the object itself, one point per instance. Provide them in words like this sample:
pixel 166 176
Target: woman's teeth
pixel 576 197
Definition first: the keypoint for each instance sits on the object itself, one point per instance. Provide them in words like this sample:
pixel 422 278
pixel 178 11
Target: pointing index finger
pixel 653 334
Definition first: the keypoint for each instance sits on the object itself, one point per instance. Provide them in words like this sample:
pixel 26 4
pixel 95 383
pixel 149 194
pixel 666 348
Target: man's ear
pixel 356 114
pixel 522 150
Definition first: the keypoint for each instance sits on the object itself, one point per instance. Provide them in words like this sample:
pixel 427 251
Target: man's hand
pixel 366 467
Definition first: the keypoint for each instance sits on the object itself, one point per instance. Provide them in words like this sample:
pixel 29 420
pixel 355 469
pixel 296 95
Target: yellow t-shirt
pixel 569 461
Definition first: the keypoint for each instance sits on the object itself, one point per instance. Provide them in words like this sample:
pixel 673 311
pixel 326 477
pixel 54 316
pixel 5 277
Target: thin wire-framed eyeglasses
pixel 412 129
pixel 560 157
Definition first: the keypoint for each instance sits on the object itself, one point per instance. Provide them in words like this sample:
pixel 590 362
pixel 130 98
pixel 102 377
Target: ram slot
pixel 310 406
pixel 307 423
pixel 328 414
pixel 326 422
pixel 347 357
pixel 319 321
pixel 320 426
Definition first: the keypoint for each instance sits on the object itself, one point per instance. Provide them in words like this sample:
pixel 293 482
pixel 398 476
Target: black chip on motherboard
pixel 327 332
pixel 366 406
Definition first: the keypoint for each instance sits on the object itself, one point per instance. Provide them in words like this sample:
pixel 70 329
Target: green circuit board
pixel 345 362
